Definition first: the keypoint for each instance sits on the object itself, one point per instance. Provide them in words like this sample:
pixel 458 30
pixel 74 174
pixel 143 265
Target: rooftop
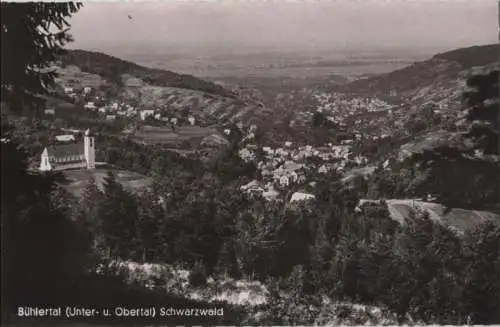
pixel 64 150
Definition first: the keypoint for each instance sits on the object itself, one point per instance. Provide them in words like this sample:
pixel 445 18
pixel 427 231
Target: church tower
pixel 89 145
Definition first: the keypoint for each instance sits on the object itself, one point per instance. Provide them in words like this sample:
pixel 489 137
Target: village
pixel 373 118
pixel 95 102
pixel 293 167
pixel 282 168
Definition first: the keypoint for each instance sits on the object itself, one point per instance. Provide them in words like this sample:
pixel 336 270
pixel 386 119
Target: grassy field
pixel 78 179
pixel 166 136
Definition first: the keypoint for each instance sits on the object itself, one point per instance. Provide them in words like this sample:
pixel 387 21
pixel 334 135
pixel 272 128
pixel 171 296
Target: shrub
pixel 198 276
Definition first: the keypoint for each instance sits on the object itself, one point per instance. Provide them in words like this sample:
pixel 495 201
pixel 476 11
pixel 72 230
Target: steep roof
pixel 65 150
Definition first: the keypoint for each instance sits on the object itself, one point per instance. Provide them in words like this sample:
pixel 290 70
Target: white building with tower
pixel 79 155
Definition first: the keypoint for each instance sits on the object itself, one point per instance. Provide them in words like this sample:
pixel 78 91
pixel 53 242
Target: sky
pixel 284 25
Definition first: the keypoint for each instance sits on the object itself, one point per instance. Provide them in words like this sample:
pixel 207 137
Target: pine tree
pixel 89 212
pixel 227 262
pixel 149 221
pixel 484 112
pixel 117 215
pixel 481 264
pixel 43 251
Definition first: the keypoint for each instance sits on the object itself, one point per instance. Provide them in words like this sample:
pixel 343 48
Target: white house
pixel 301 178
pixel 252 187
pixel 69 156
pixel 323 169
pixel 250 136
pixel 270 194
pixel 158 116
pixel 90 106
pixel 68 90
pixel 65 138
pixel 299 196
pixel 50 112
pixel 283 180
pixel 144 114
pixel 87 89
pixel 110 117
pixel 103 110
pixel 268 150
pixel 174 121
pixel 246 155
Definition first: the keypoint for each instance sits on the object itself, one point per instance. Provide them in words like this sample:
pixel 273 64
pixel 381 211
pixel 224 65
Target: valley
pixel 318 124
pixel 247 184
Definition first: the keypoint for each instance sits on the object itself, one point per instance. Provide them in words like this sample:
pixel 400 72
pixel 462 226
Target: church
pixel 69 156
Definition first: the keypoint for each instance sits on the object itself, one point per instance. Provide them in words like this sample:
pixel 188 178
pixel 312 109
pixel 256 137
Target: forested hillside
pixel 440 72
pixel 112 68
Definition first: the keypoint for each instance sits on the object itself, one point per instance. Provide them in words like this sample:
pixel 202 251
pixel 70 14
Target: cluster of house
pixel 339 104
pixel 376 119
pixel 113 110
pixel 116 109
pixel 72 92
pixel 290 166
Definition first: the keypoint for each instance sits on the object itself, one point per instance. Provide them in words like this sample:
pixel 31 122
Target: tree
pixel 42 249
pixel 148 223
pixel 33 36
pixel 484 112
pixel 319 119
pixel 89 211
pixel 117 216
pixel 481 263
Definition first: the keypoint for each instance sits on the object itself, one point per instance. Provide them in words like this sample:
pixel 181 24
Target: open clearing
pixel 167 136
pixel 78 179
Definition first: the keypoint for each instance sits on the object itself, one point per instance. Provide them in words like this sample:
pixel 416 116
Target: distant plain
pixel 273 65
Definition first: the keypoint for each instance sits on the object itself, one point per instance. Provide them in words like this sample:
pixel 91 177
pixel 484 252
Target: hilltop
pixel 149 88
pixel 472 56
pixel 438 77
pixel 112 68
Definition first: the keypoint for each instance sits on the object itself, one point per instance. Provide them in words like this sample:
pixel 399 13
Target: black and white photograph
pixel 258 163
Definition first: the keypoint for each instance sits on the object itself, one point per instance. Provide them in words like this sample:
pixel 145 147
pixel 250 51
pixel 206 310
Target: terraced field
pixel 458 220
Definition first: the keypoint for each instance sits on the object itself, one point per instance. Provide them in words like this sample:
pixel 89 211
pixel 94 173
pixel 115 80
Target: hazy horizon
pixel 231 26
